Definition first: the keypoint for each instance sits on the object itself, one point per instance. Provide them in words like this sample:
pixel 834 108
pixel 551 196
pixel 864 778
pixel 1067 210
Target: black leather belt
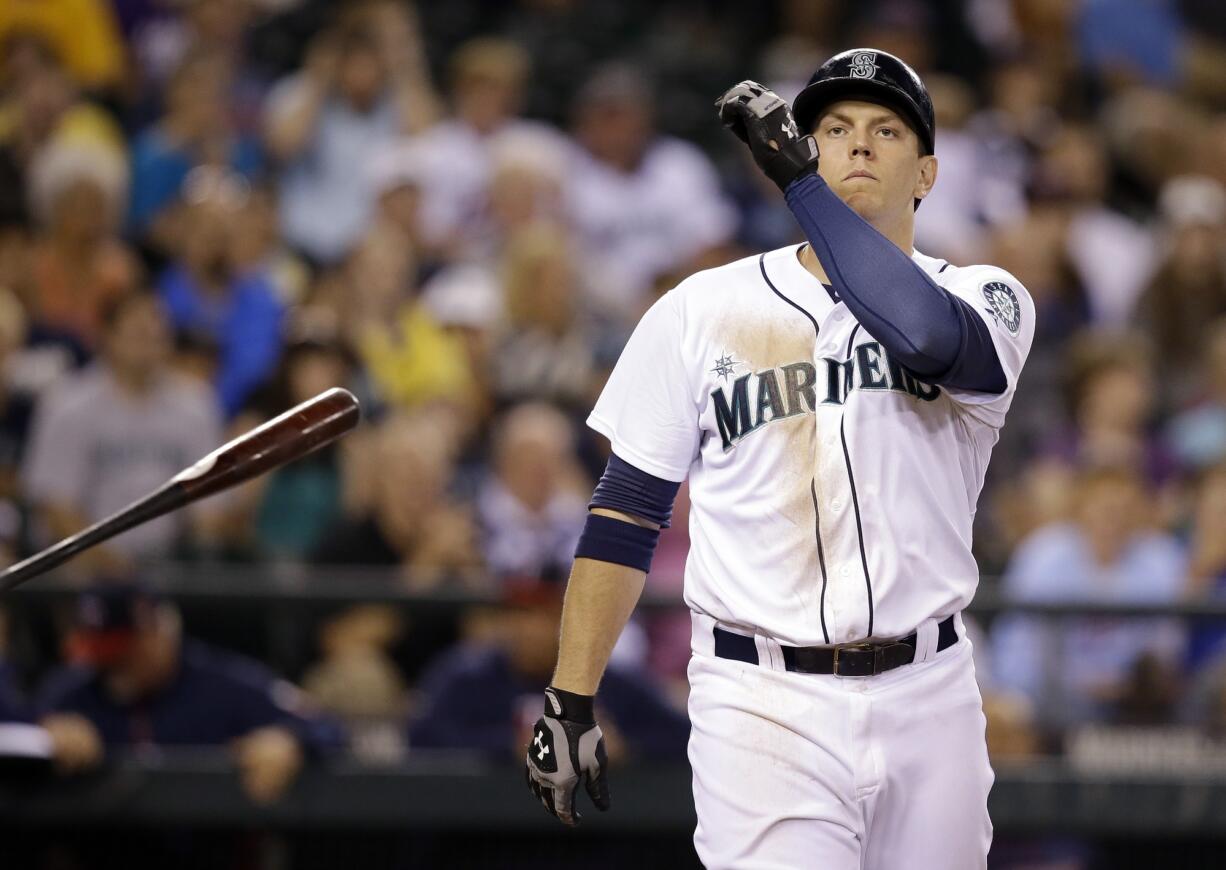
pixel 844 660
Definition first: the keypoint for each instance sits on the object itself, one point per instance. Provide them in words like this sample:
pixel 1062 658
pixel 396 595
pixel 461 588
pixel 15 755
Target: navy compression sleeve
pixel 929 330
pixel 623 487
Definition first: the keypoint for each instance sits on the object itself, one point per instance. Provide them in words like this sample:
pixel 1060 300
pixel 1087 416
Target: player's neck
pixel 903 236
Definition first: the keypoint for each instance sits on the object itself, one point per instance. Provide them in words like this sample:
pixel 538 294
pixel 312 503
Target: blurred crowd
pixel 211 210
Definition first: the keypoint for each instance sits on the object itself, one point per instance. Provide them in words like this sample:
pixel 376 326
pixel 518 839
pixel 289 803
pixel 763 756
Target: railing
pixel 295 585
pixel 453 791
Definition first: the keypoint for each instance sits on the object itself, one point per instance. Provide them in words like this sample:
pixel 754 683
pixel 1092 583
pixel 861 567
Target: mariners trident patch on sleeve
pixel 1004 305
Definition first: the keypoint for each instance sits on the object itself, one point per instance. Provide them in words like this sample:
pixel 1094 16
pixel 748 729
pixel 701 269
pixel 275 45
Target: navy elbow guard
pixel 611 540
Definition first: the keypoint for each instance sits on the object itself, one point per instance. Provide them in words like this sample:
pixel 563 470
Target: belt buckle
pixel 855 660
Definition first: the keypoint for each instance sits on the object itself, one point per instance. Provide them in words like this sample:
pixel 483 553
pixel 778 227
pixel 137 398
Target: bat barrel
pixel 283 439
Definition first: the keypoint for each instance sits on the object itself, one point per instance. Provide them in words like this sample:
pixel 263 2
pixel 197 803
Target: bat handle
pixel 169 497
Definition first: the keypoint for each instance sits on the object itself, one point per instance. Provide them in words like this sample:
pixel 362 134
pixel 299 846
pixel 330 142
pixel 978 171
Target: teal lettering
pixel 733 421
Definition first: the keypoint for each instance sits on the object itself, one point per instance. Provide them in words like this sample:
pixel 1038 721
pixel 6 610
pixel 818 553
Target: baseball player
pixel 833 405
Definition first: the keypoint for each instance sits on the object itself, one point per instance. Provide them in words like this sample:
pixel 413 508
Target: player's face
pixel 871 158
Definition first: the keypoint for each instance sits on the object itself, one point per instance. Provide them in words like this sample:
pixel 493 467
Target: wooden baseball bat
pixel 283 439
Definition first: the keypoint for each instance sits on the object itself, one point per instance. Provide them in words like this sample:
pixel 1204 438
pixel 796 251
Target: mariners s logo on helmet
pixel 1004 305
pixel 864 65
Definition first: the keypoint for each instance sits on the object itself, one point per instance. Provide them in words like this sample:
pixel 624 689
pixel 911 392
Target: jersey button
pixel 836 505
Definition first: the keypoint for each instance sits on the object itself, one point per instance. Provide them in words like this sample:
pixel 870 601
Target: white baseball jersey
pixel 832 492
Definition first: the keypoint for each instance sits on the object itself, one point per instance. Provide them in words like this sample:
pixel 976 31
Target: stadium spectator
pixel 16 401
pixel 487 77
pixel 1111 398
pixel 467 302
pixel 952 223
pixel 401 174
pixel 643 203
pixel 140 683
pixel 409 521
pixel 205 292
pixel 357 93
pixel 1187 291
pixel 1147 131
pixel 410 358
pixel 1033 249
pixel 526 187
pixel 257 247
pixel 26 749
pixel 1197 435
pixel 300 502
pixel 1021 110
pixel 1110 253
pixel 82 33
pixel 552 338
pixel 1125 42
pixel 1206 703
pixel 532 507
pixel 118 430
pixel 195 130
pixel 1080 668
pixel 485 697
pixel 42 107
pixel 78 264
pixel 358 681
pixel 161 38
pixel 1207 562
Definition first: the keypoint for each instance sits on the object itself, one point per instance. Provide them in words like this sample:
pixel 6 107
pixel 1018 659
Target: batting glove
pixel 567 746
pixel 762 120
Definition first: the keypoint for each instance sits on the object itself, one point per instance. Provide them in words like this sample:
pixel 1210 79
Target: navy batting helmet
pixel 873 76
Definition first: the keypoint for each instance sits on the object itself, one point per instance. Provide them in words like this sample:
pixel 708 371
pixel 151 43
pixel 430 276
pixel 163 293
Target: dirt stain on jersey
pixel 757 343
pixel 766 341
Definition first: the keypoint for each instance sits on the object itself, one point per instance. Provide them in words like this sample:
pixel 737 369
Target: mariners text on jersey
pixel 832 492
pixel 794 389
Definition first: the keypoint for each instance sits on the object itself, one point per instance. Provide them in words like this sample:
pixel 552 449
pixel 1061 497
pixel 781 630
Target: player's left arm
pixel 934 333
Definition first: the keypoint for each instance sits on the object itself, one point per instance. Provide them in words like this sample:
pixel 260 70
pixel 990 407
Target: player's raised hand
pixel 762 120
pixel 567 747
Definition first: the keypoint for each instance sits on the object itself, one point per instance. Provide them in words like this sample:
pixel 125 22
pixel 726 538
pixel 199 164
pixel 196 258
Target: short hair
pixel 115 309
pixel 1092 352
pixel 490 57
pixel 533 419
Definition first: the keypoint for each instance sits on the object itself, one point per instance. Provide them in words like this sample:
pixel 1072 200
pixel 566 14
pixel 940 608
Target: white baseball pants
pixel 838 773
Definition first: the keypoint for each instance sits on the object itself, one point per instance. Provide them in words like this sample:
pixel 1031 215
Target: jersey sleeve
pixel 647 409
pixel 1006 308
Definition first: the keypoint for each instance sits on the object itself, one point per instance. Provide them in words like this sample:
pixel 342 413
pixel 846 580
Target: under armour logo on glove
pixel 542 748
pixel 567 747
